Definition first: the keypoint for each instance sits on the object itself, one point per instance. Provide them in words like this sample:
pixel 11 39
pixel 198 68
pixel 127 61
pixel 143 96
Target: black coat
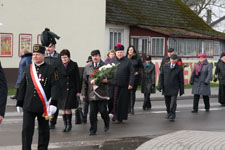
pixel 69 85
pixel 28 97
pixel 125 73
pixel 171 81
pixel 3 92
pixel 148 79
pixel 220 71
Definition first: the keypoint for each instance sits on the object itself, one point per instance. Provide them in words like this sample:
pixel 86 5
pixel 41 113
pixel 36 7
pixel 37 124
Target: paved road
pixel 144 124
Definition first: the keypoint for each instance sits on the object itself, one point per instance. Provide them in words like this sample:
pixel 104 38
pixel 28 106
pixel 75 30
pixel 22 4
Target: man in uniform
pixel 171 81
pixel 3 93
pixel 97 104
pixel 166 59
pixel 52 58
pixel 36 99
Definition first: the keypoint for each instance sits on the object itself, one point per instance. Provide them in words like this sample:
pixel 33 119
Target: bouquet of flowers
pixel 104 72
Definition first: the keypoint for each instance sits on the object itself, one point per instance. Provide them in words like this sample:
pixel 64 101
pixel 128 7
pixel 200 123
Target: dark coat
pixel 87 87
pixel 28 97
pixel 125 73
pixel 148 79
pixel 171 81
pixel 201 84
pixel 26 60
pixel 69 86
pixel 166 60
pixel 220 71
pixel 3 92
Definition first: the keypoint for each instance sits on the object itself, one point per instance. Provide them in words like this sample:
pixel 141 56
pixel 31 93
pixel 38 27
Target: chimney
pixel 209 16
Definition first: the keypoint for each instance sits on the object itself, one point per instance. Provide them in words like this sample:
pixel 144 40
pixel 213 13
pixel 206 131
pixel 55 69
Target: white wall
pixel 79 23
pixel 125 40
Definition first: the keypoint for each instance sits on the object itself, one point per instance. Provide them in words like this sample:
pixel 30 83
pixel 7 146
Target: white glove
pixel 19 109
pixel 52 109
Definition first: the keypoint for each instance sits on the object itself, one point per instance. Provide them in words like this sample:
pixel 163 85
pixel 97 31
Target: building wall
pixel 126 31
pixel 79 23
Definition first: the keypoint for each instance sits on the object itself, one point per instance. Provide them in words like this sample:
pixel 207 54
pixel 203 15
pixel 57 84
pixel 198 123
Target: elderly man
pixel 3 93
pixel 36 99
pixel 171 81
pixel 122 83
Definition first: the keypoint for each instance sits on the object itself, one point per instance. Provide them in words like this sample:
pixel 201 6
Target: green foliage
pixel 11 91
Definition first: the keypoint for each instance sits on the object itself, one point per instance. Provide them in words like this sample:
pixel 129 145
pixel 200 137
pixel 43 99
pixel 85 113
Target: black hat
pixel 148 58
pixel 119 47
pixel 170 50
pixel 223 54
pixel 89 59
pixel 37 48
pixel 95 52
pixel 48 37
pixel 174 56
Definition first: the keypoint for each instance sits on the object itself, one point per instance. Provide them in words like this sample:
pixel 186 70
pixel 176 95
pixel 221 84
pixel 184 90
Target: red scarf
pixel 198 68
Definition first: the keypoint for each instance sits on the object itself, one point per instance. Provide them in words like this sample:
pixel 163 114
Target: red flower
pixel 92 75
pixel 96 70
pixel 179 63
pixel 166 62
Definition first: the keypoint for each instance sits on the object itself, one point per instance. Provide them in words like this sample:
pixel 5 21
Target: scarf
pixel 131 55
pixel 198 68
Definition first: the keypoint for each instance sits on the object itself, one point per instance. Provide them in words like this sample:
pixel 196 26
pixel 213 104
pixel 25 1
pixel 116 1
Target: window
pixel 141 44
pixel 206 46
pixel 116 36
pixel 190 47
pixel 176 43
pixel 217 49
pixel 158 46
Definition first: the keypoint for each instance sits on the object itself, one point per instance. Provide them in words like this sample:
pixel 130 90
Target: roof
pixel 169 14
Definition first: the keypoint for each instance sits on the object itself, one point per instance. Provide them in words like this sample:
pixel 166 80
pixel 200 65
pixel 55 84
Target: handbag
pixel 79 113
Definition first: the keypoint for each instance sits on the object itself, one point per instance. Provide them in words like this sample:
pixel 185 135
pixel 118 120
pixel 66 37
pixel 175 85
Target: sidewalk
pixel 187 140
pixel 155 97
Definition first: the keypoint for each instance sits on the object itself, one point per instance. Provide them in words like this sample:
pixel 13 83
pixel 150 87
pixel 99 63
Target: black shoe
pixel 92 133
pixel 13 97
pixel 206 110
pixel 171 118
pixel 144 108
pixel 223 105
pixel 106 129
pixel 84 121
pixel 52 126
pixel 194 111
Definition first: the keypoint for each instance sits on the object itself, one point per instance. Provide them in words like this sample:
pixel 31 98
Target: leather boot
pixel 65 122
pixel 69 122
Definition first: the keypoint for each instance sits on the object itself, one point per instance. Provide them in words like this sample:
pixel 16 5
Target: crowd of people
pixel 53 82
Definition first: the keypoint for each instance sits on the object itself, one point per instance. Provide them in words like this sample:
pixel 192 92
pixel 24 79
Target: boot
pixel 69 122
pixel 65 122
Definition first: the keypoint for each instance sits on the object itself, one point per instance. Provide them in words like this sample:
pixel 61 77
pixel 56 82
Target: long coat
pixel 148 79
pixel 201 84
pixel 28 97
pixel 69 86
pixel 220 71
pixel 171 81
pixel 3 92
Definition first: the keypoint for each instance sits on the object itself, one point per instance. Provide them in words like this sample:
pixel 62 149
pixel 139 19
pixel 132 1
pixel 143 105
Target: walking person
pixel 138 66
pixel 37 99
pixel 52 58
pixel 200 79
pixel 171 82
pixel 3 93
pixel 97 104
pixel 70 88
pixel 86 99
pixel 122 82
pixel 26 60
pixel 148 82
pixel 220 72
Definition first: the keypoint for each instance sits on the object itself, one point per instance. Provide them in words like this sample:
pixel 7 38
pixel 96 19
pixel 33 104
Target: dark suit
pixel 3 92
pixel 33 107
pixel 171 81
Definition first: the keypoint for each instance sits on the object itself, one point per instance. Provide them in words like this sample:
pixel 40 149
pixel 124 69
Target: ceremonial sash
pixel 41 92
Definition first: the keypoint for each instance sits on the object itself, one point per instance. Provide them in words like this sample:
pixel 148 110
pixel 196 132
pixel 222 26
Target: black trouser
pixel 28 131
pixel 147 101
pixel 95 107
pixel 171 105
pixel 133 96
pixel 196 101
pixel 221 96
pixel 85 107
pixel 54 117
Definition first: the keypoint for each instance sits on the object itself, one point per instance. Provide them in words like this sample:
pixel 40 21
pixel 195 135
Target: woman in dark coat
pixel 70 88
pixel 220 71
pixel 148 82
pixel 138 66
pixel 200 79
